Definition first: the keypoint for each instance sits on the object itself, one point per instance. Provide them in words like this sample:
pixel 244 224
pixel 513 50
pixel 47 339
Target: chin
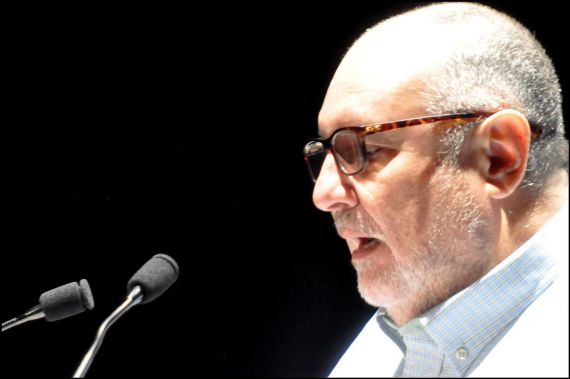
pixel 375 294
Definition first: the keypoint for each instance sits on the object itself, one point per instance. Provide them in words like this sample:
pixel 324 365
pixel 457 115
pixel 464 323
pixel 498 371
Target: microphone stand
pixel 34 313
pixel 133 298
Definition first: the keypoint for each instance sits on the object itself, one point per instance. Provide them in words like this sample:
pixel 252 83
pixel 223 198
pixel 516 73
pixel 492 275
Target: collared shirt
pixel 453 338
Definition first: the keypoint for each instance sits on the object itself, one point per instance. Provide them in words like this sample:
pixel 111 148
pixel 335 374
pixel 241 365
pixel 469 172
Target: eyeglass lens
pixel 346 146
pixel 315 157
pixel 346 149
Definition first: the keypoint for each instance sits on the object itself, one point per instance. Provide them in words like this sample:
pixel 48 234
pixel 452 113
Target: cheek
pixel 397 195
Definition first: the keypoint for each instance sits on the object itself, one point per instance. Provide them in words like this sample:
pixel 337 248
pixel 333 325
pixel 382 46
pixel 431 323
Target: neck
pixel 523 214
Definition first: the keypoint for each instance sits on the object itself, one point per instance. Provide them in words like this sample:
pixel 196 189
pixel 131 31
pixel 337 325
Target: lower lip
pixel 363 252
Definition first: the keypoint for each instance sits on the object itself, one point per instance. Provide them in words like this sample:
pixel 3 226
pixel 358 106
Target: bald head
pixel 417 41
pixel 448 58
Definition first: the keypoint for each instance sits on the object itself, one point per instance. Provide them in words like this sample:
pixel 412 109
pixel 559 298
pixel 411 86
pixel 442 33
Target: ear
pixel 501 147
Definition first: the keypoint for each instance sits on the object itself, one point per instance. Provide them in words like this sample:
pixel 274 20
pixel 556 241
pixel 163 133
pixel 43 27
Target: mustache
pixel 357 220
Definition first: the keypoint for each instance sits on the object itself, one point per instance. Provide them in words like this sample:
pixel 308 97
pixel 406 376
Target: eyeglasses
pixel 349 148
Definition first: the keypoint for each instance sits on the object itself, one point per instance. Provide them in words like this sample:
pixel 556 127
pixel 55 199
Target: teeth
pixel 363 241
pixel 369 241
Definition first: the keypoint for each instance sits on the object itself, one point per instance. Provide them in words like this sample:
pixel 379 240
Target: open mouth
pixel 367 242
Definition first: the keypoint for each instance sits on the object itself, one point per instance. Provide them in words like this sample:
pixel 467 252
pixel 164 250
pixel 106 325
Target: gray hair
pixel 502 65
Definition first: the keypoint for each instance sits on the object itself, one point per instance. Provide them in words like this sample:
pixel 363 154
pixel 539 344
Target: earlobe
pixel 504 141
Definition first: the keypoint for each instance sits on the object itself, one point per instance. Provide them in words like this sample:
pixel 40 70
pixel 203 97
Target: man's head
pixel 437 206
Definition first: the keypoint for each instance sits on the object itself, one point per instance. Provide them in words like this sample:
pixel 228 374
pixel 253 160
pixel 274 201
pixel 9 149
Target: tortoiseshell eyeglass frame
pixel 365 130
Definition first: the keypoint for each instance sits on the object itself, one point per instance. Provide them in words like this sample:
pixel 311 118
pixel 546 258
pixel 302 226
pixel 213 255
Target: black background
pixel 180 130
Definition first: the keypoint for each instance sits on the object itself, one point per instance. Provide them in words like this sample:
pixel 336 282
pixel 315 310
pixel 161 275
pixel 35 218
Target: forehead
pixel 357 101
pixel 382 77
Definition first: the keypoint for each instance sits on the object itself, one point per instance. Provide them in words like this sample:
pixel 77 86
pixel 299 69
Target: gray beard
pixel 455 255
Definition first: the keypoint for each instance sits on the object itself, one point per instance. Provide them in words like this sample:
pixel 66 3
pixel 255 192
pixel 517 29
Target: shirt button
pixel 461 353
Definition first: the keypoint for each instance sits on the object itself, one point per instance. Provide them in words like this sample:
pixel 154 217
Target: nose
pixel 333 190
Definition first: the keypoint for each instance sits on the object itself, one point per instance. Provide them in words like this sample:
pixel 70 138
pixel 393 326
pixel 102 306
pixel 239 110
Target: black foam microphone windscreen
pixel 159 273
pixel 67 300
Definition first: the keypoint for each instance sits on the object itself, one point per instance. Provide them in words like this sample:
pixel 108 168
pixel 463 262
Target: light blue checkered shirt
pixel 453 338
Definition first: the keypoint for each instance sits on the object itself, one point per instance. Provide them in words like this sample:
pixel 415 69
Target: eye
pixel 372 149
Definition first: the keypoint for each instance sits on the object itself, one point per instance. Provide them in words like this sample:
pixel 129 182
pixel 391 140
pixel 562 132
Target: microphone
pixel 57 304
pixel 148 283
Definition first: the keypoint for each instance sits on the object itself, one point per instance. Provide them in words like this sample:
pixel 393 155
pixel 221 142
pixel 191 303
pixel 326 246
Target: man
pixel 456 218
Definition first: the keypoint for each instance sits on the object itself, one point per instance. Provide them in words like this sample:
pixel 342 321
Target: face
pixel 417 228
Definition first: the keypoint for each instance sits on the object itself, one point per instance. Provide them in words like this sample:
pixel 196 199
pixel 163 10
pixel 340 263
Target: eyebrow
pixel 324 135
pixel 345 121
